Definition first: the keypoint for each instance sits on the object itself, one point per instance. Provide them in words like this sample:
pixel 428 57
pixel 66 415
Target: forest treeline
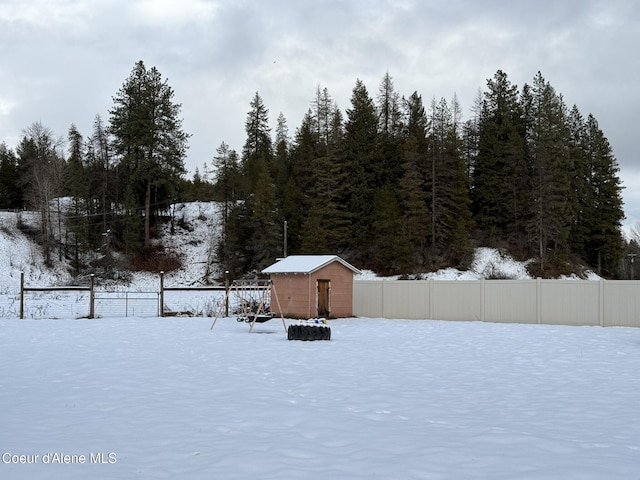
pixel 393 184
pixel 398 186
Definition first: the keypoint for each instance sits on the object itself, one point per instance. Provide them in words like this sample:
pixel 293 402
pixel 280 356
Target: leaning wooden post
pixel 91 296
pixel 162 294
pixel 21 295
pixel 272 286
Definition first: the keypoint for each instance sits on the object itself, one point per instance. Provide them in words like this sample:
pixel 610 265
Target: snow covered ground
pixel 121 398
pixel 156 398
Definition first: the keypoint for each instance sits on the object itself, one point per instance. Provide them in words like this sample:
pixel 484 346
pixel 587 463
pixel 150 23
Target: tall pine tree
pixel 413 192
pixel 551 171
pixel 361 156
pixel 78 188
pixel 149 139
pixel 227 184
pixel 500 165
pixel 263 238
pixel 605 243
pixel 10 191
pixel 447 187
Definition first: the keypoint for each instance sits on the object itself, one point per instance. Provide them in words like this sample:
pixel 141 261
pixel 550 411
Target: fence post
pixel 91 296
pixel 162 294
pixel 21 295
pixel 538 300
pixel 430 288
pixel 601 302
pixel 383 293
pixel 226 293
pixel 482 300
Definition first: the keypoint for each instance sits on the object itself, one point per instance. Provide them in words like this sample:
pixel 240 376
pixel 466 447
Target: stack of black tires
pixel 308 332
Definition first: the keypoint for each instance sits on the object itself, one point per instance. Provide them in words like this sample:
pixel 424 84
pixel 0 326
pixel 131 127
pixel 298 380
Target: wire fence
pixel 57 302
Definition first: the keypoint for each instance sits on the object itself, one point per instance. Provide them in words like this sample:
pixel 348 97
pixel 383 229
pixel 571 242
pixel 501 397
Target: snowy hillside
pixel 196 231
pixel 18 253
pixel 487 263
pixel 196 234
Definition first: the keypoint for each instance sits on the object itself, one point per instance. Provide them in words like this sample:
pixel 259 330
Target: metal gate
pixel 127 304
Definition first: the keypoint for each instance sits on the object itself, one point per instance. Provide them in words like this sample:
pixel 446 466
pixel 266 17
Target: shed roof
pixel 306 264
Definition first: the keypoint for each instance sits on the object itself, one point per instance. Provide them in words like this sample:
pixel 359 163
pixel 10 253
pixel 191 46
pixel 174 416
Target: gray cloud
pixel 63 61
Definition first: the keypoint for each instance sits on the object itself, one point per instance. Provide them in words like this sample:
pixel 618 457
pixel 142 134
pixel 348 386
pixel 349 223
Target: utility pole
pixel 285 239
pixel 631 258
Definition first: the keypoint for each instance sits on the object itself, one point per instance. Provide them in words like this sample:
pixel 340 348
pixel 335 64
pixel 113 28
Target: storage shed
pixel 309 286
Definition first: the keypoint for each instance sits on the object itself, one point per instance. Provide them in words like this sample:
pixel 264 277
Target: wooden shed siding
pixel 341 288
pixel 297 292
pixel 293 294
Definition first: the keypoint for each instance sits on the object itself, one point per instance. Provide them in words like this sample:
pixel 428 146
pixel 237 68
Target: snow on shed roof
pixel 306 264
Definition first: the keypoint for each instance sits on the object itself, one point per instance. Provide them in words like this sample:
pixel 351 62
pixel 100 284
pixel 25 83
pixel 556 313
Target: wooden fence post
pixel 226 293
pixel 91 296
pixel 162 294
pixel 21 295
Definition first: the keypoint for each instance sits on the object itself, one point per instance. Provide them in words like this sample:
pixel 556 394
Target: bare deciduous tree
pixel 43 167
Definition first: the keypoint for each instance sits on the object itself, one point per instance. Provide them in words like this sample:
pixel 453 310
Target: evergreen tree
pixel 263 221
pixel 500 170
pixel 391 248
pixel 281 162
pixel 304 150
pixel 417 120
pixel 448 189
pixel 149 139
pixel 294 208
pixel 390 131
pixel 199 188
pixel 412 194
pixel 336 132
pixel 413 203
pixel 605 244
pixel 78 188
pixel 10 191
pixel 133 232
pixel 390 121
pixel 551 174
pixel 322 177
pixel 580 191
pixel 297 199
pixel 322 109
pixel 228 186
pixel 102 175
pixel 314 235
pixel 471 137
pixel 265 242
pixel 257 152
pixel 361 156
pixel 327 222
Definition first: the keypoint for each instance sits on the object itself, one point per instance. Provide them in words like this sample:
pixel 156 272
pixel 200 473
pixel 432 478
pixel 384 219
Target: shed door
pixel 324 298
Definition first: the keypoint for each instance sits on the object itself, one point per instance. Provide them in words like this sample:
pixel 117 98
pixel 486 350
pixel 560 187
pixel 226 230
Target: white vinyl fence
pixel 605 303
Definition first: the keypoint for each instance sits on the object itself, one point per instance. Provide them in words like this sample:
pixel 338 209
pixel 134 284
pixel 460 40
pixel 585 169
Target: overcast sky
pixel 64 60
